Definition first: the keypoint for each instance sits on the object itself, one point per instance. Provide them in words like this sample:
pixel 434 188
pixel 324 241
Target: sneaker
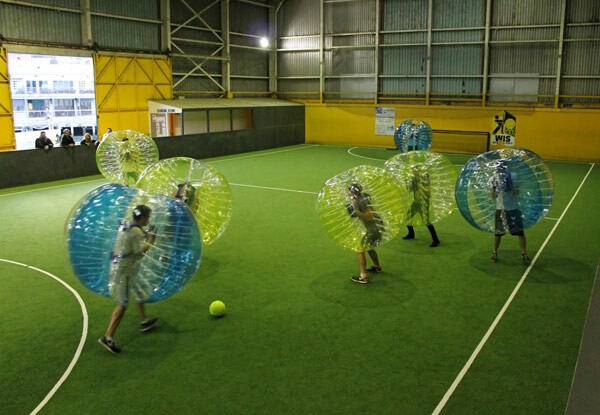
pixel 360 280
pixel 109 345
pixel 148 324
pixel 374 269
pixel 494 257
pixel 434 243
pixel 526 259
pixel 409 236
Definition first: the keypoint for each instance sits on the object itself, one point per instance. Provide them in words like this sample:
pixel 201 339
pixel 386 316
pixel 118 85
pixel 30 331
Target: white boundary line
pixel 263 154
pixel 52 187
pixel 549 218
pixel 487 335
pixel 363 157
pixel 273 188
pixel 81 341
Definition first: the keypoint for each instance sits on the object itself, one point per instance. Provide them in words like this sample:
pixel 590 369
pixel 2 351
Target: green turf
pixel 298 336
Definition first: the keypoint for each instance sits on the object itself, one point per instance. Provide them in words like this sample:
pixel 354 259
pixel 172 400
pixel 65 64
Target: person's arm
pixel 38 143
pixel 49 143
pixel 365 214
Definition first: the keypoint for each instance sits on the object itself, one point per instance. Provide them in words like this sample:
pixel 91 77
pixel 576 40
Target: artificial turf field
pixel 299 337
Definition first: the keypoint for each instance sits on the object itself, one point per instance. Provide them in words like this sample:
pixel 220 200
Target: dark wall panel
pixel 272 127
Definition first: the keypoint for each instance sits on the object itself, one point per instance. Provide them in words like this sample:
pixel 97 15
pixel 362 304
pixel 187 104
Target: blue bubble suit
pixel 504 191
pixel 94 233
pixel 413 135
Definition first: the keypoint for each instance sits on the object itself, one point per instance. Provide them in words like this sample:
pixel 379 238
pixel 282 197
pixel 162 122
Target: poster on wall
pixel 385 121
pixel 504 129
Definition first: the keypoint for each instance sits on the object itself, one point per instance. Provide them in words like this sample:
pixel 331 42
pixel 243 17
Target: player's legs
pixel 375 259
pixel 362 264
pixel 115 319
pixel 523 245
pixel 434 238
pixel 497 239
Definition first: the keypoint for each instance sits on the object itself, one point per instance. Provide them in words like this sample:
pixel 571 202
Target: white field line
pixel 362 157
pixel 487 335
pixel 84 331
pixel 273 188
pixel 262 154
pixel 549 218
pixel 51 187
pixel 372 158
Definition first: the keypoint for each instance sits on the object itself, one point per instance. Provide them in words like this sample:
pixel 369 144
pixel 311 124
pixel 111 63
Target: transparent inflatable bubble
pixel 413 135
pixel 197 184
pixel 97 243
pixel 504 191
pixel 345 198
pixel 429 178
pixel 123 155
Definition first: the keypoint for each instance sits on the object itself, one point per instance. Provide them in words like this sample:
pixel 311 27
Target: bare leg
pixel 140 309
pixel 523 244
pixel 362 264
pixel 115 319
pixel 497 239
pixel 374 258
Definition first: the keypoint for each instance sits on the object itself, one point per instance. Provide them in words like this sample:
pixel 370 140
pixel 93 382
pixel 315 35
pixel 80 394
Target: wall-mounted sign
pixel 174 110
pixel 385 121
pixel 504 129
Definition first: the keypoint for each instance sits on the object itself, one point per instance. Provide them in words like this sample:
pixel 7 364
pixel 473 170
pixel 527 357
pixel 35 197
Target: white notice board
pixel 385 121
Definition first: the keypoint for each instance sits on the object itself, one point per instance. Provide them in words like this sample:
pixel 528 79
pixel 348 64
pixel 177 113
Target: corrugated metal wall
pixel 59 22
pixel 40 25
pixel 523 44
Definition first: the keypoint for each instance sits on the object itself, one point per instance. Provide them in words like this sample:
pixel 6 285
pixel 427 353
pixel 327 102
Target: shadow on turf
pixel 384 289
pixel 174 325
pixel 208 267
pixel 420 245
pixel 547 269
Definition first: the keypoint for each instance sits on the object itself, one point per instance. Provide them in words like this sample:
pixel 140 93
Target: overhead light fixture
pixel 264 42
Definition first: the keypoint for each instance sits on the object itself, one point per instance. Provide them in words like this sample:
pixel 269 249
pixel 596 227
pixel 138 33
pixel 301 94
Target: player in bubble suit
pixel 504 188
pixel 131 245
pixel 361 207
pixel 420 185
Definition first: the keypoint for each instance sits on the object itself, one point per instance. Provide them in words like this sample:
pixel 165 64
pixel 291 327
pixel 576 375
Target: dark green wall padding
pixel 272 127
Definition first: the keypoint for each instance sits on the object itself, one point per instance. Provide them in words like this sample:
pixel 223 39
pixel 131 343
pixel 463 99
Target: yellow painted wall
pixel 124 84
pixel 7 132
pixel 565 134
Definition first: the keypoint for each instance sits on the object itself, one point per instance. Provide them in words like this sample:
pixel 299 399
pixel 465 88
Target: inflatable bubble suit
pixel 413 135
pixel 92 233
pixel 378 190
pixel 513 181
pixel 197 184
pixel 429 179
pixel 124 154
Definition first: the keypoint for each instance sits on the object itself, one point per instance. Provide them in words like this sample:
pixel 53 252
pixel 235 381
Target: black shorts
pixel 514 220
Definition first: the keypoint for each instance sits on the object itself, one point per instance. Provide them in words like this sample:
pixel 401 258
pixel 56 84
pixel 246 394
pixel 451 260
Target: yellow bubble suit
pixel 362 208
pixel 429 178
pixel 123 155
pixel 202 187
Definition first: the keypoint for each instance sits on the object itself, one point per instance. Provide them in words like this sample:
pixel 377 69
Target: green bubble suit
pixel 202 187
pixel 379 191
pixel 123 155
pixel 429 179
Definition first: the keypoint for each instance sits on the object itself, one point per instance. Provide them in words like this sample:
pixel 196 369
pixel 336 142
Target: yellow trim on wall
pixel 7 129
pixel 124 84
pixel 552 133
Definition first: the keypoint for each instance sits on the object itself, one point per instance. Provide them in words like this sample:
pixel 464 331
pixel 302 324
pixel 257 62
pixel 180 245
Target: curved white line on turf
pixel 81 342
pixel 362 157
pixel 489 332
